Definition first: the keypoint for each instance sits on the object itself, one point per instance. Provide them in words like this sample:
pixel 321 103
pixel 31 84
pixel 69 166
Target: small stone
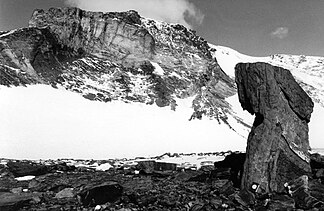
pixel 207 168
pixel 36 199
pixel 98 207
pixel 245 198
pixel 17 190
pixel 320 173
pixel 227 189
pixel 65 193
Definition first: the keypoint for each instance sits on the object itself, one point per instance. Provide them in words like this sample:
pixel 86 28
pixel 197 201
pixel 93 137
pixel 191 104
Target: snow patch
pixel 8 33
pixel 104 167
pixel 227 58
pixel 24 178
pixel 157 69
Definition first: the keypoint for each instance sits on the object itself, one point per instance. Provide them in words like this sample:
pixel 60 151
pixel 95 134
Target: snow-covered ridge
pixel 227 58
pixel 307 70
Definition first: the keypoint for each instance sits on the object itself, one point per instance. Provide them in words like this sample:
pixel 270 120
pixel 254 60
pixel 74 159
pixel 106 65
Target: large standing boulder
pixel 277 146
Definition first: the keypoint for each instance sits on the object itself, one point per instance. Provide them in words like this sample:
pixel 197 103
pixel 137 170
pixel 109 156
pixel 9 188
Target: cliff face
pixel 117 36
pixel 26 55
pixel 117 56
pixel 277 149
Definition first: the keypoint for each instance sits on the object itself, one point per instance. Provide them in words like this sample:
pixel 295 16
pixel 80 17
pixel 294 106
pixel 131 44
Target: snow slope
pixel 307 70
pixel 42 122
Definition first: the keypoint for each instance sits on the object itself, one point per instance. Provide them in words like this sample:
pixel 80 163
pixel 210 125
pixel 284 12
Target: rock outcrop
pixel 114 35
pixel 29 56
pixel 277 146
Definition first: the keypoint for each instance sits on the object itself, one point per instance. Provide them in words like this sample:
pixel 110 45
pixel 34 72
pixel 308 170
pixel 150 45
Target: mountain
pixel 148 87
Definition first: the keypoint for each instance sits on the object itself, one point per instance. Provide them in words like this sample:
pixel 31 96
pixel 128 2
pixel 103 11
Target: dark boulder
pixel 234 161
pixel 317 161
pixel 92 195
pixel 12 202
pixel 20 169
pixel 277 146
pixel 246 198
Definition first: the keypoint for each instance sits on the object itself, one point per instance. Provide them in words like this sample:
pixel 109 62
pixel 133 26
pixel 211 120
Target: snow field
pixel 40 122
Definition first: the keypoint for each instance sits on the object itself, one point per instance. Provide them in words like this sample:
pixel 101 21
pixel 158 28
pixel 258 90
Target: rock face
pixel 277 148
pixel 26 54
pixel 115 35
pixel 117 56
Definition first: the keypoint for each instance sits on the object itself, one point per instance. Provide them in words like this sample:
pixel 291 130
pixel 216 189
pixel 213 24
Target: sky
pixel 253 27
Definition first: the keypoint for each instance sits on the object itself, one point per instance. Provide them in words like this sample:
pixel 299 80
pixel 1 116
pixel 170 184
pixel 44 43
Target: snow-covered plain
pixel 40 122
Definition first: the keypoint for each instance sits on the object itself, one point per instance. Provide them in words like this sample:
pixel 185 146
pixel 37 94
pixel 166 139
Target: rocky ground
pixel 148 185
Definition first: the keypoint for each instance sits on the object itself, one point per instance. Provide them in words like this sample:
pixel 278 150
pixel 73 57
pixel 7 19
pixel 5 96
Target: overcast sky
pixel 253 27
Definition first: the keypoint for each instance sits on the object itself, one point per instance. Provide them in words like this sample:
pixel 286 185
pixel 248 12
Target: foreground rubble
pixel 148 184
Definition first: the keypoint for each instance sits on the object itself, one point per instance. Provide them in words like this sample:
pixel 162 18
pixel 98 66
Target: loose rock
pixel 93 195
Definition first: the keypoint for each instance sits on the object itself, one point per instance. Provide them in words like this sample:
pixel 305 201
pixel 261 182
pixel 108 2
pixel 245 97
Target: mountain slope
pixel 116 84
pixel 116 58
